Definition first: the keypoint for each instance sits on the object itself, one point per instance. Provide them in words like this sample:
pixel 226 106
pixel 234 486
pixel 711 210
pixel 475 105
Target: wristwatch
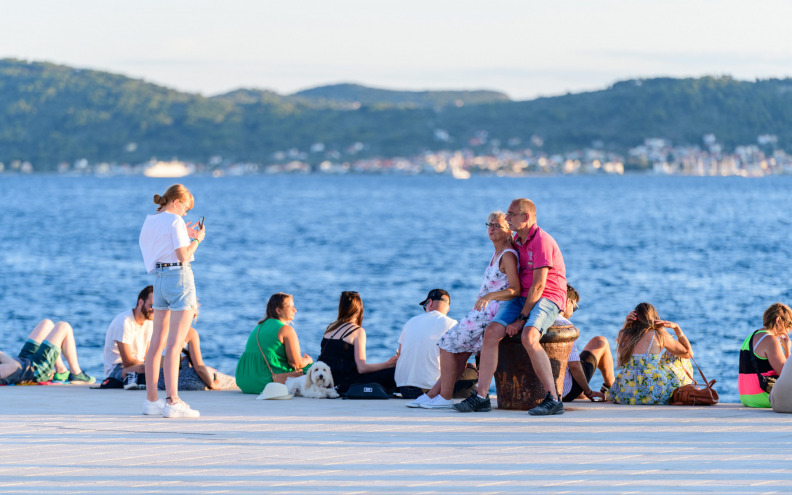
pixel 523 317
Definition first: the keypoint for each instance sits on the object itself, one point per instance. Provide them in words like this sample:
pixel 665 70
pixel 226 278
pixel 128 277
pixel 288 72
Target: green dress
pixel 252 374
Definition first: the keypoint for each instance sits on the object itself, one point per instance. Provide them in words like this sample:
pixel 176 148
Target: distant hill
pixel 51 113
pixel 354 93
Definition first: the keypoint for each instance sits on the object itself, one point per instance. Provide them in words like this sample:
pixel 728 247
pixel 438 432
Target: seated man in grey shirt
pixel 37 361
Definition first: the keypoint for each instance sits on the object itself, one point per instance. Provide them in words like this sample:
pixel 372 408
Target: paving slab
pixel 71 439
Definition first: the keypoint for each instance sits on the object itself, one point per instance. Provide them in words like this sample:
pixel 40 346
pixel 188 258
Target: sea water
pixel 710 253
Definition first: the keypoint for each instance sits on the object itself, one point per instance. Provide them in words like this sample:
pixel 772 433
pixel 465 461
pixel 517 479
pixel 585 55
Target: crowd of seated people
pixel 523 293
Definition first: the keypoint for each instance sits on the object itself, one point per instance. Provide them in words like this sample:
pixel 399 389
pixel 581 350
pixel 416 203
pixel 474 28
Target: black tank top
pixel 340 356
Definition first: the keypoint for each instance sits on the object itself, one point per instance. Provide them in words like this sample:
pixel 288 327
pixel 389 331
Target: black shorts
pixel 589 364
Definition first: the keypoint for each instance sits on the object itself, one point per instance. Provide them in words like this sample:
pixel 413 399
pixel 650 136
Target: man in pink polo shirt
pixel 543 282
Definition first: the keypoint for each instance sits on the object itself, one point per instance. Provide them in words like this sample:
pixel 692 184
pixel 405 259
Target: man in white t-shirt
pixel 418 367
pixel 127 341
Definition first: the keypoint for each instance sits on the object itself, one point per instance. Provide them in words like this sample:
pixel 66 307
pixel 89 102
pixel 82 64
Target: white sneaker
pixel 420 400
pixel 179 410
pixel 153 408
pixel 438 403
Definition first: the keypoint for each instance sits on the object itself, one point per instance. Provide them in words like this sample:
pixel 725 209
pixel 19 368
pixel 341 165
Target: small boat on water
pixel 168 169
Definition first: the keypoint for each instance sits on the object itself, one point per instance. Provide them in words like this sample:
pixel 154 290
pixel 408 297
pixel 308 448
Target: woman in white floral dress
pixel 501 283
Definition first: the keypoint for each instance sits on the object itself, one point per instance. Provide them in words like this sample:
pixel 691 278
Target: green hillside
pixel 354 93
pixel 51 113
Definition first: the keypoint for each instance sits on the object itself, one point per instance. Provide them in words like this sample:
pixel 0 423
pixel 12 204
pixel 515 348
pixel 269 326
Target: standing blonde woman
pixel 168 246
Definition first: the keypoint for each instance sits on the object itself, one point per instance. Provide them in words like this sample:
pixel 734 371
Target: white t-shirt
pixel 160 236
pixel 419 361
pixel 125 329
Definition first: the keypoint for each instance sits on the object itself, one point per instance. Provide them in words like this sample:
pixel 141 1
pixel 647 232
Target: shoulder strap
pixel 262 352
pixel 760 340
pixel 497 262
pixel 350 329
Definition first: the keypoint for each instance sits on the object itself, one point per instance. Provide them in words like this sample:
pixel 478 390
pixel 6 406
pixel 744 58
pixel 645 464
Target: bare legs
pixel 493 334
pixel 451 367
pixel 154 352
pixel 600 349
pixel 60 335
pixel 541 363
pixel 170 331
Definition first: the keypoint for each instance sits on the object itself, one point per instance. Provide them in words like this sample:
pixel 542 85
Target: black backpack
pixel 366 391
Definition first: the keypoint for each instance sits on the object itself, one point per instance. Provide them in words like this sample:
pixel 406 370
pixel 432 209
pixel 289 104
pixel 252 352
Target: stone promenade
pixel 71 439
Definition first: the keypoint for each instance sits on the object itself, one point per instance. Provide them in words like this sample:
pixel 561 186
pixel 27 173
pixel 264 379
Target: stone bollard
pixel 517 385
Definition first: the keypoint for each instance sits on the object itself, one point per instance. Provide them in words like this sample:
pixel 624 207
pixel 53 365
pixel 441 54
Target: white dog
pixel 316 384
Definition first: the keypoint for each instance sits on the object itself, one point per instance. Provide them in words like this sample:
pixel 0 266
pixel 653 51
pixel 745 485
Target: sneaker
pixel 153 408
pixel 548 407
pixel 130 381
pixel 60 377
pixel 420 400
pixel 81 377
pixel 474 403
pixel 179 410
pixel 438 403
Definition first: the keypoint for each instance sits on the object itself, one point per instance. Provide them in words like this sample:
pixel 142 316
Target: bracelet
pixel 588 394
pixel 195 239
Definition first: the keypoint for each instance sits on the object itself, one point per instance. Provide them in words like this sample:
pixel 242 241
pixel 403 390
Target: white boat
pixel 168 169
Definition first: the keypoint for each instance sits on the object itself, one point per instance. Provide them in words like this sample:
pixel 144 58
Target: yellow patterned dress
pixel 650 378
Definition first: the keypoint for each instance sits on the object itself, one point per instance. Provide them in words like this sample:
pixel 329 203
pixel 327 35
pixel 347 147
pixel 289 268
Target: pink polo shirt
pixel 540 250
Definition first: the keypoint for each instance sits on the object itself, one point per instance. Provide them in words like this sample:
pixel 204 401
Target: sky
pixel 526 48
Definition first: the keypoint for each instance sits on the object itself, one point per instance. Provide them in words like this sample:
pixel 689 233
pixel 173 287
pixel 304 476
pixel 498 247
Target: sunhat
pixel 275 391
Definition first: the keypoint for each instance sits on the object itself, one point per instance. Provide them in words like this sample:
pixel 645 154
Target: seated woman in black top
pixel 344 349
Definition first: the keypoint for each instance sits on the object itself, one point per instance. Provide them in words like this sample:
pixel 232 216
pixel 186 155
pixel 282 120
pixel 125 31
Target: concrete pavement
pixel 71 439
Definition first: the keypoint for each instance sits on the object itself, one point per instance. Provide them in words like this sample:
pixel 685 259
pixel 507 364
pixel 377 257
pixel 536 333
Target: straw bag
pixel 277 377
pixel 692 394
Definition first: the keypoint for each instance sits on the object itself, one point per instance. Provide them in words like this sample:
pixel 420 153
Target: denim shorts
pixel 541 317
pixel 174 289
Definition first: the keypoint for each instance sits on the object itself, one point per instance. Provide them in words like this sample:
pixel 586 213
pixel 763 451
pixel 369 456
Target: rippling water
pixel 709 253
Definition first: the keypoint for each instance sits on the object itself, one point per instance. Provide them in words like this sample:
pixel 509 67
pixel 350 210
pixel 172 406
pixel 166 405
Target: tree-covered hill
pixel 51 113
pixel 356 94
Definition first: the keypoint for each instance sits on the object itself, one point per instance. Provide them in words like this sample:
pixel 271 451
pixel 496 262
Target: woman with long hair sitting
pixel 653 363
pixel 273 345
pixel 344 349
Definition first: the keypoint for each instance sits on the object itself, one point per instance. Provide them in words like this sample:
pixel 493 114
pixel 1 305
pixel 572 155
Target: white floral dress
pixel 468 334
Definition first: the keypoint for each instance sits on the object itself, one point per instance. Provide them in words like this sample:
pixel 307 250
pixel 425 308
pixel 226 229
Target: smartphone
pixel 200 223
pixel 597 399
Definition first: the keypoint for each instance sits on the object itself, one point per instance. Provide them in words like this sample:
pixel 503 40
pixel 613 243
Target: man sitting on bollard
pixel 581 367
pixel 543 281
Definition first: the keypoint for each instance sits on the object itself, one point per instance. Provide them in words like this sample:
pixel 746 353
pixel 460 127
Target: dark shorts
pixel 589 364
pixel 42 357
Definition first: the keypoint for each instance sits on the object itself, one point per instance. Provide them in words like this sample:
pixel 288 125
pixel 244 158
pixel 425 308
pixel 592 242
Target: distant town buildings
pixel 655 156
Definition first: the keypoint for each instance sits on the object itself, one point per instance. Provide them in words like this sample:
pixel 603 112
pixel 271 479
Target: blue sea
pixel 710 253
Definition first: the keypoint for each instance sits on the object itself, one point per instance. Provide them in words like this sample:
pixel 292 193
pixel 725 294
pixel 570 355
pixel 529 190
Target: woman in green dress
pixel 274 339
